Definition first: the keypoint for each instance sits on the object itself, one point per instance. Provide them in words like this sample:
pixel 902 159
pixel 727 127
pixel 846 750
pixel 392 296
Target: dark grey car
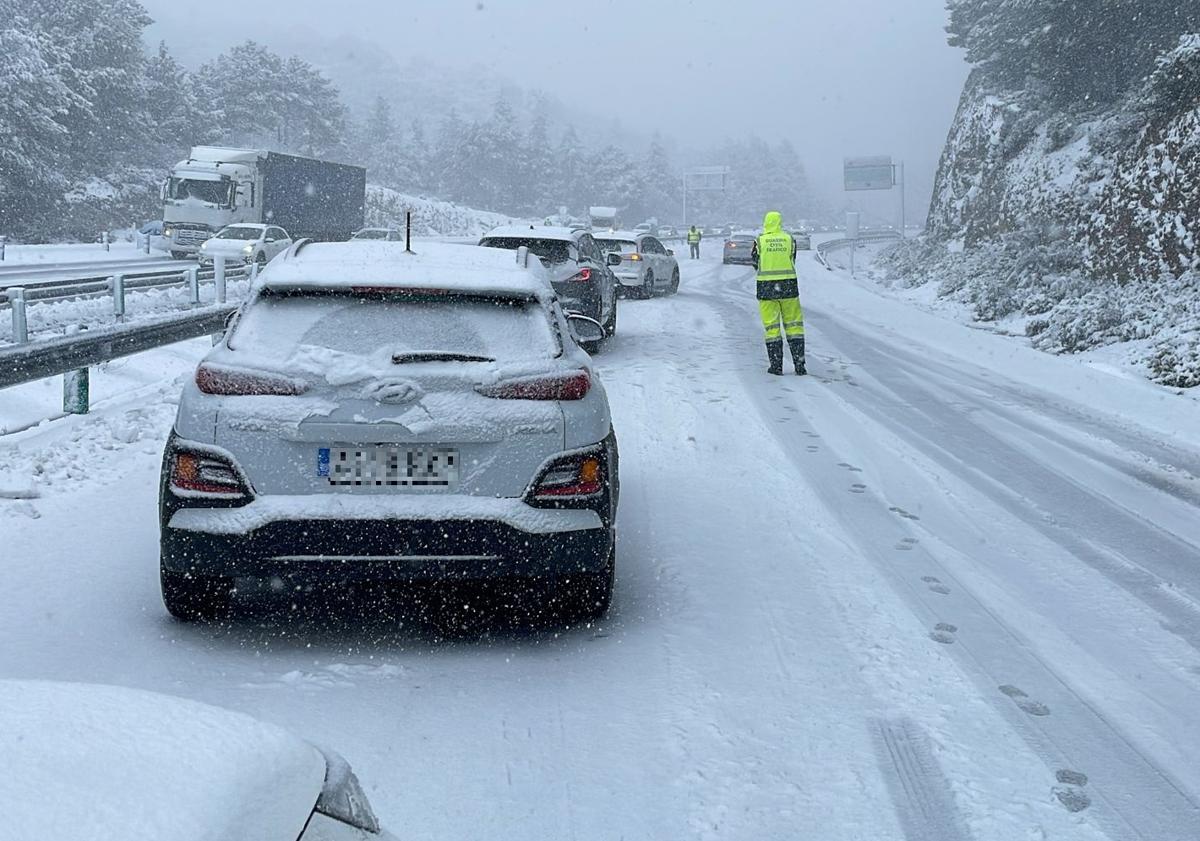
pixel 580 271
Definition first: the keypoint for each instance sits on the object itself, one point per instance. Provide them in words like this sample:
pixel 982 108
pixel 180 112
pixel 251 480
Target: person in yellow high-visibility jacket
pixel 693 237
pixel 778 293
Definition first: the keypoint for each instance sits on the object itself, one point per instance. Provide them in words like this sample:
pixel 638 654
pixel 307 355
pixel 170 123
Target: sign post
pixel 710 179
pixel 852 235
pixel 877 173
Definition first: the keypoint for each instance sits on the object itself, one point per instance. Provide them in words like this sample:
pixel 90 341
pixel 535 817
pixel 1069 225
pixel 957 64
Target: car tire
pixel 586 597
pixel 674 282
pixel 191 597
pixel 647 289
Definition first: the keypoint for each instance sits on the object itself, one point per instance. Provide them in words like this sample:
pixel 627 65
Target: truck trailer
pixel 216 187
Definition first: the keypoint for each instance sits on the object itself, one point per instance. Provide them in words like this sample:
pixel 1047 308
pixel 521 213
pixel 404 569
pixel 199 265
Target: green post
pixel 76 392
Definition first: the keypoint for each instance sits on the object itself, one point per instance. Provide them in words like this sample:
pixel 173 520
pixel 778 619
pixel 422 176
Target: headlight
pixel 168 233
pixel 342 798
pixel 247 249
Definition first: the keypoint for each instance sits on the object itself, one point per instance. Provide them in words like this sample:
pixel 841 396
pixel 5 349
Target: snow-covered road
pixel 946 588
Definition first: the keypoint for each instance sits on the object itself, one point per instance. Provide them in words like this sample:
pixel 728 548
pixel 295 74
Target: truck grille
pixel 189 236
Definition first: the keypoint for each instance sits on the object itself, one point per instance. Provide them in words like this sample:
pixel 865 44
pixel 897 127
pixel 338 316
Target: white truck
pixel 603 218
pixel 216 186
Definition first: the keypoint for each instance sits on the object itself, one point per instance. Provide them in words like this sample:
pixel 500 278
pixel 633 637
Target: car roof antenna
pixel 408 232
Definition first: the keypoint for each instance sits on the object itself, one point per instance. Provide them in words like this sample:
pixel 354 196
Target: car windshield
pixel 623 246
pixel 873 515
pixel 279 326
pixel 240 232
pixel 551 251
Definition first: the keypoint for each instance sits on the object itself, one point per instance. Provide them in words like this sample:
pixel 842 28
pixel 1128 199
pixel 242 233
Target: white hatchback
pixel 374 413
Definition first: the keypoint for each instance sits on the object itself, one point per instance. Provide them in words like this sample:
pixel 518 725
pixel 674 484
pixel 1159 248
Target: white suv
pixel 374 413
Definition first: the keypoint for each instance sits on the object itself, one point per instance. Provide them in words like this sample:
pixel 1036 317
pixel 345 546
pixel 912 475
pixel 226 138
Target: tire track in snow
pixel 1135 797
pixel 919 789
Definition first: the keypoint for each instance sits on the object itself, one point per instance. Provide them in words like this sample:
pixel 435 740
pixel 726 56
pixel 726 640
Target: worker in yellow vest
pixel 693 237
pixel 778 293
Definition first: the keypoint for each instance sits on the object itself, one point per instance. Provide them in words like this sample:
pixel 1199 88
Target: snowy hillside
pixel 1074 214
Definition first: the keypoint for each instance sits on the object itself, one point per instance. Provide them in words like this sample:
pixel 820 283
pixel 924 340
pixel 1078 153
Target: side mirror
pixel 670 252
pixel 230 320
pixel 613 258
pixel 584 330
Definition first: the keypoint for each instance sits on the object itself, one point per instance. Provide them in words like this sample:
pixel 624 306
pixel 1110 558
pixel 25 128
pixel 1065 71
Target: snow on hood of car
pixel 434 266
pixel 102 762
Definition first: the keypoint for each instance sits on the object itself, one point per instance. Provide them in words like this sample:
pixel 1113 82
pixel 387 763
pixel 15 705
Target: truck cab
pixel 213 188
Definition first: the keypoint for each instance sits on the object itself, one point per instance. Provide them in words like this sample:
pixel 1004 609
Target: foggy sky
pixel 837 77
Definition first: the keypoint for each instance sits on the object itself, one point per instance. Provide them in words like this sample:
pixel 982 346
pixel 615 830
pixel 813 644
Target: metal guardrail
pixel 66 354
pixel 824 248
pixel 97 284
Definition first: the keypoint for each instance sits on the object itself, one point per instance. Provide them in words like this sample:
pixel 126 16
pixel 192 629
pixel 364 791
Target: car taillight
pixel 215 379
pixel 581 276
pixel 573 386
pixel 731 245
pixel 205 474
pixel 575 475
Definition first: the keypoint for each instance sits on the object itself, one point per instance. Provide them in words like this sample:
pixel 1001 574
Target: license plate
pixel 383 465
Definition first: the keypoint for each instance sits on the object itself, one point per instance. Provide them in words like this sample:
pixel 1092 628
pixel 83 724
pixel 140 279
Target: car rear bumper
pixel 627 278
pixel 315 542
pixel 741 259
pixel 585 300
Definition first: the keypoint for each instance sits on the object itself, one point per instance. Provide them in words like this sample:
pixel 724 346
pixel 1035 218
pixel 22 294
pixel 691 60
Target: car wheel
pixel 647 290
pixel 193 597
pixel 586 597
pixel 610 329
pixel 674 282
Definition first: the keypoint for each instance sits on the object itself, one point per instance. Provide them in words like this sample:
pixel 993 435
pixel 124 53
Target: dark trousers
pixel 695 246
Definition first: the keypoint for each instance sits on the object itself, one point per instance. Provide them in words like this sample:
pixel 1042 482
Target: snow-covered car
pixel 385 234
pixel 738 250
pixel 803 240
pixel 646 267
pixel 105 762
pixel 644 228
pixel 581 273
pixel 377 414
pixel 667 232
pixel 245 243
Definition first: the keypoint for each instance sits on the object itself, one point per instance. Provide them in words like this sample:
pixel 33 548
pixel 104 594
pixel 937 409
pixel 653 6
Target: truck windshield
pixel 210 192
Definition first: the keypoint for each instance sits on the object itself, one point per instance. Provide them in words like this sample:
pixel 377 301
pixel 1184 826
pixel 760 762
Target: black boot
pixel 775 356
pixel 797 347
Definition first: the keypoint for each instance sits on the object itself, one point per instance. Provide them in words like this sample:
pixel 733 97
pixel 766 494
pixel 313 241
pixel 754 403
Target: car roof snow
pixel 430 265
pixel 532 232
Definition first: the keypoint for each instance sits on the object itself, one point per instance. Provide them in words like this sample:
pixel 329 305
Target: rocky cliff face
pixel 1082 220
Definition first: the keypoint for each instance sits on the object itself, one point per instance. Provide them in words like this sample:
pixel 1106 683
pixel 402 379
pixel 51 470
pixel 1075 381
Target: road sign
pixel 706 178
pixel 875 173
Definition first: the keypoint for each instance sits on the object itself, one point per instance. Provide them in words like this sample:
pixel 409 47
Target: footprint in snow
pixel 813 449
pixel 1024 702
pixel 896 509
pixel 850 467
pixel 858 488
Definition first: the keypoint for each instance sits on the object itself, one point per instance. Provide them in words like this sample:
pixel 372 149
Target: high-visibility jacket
pixel 776 254
pixel 693 236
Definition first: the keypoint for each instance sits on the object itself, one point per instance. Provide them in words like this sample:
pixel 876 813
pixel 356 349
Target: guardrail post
pixel 76 386
pixel 104 239
pixel 16 299
pixel 254 271
pixel 219 277
pixel 3 240
pixel 117 283
pixel 147 243
pixel 192 278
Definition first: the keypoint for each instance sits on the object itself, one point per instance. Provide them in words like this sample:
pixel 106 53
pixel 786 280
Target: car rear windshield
pixel 621 245
pixel 387 324
pixel 550 251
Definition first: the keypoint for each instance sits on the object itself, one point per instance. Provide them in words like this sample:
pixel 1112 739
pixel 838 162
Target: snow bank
pixel 431 217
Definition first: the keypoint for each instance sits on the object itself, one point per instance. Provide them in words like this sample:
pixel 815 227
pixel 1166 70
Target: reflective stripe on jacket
pixel 693 237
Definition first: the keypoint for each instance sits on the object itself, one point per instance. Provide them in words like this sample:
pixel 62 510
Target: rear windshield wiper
pixel 438 356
